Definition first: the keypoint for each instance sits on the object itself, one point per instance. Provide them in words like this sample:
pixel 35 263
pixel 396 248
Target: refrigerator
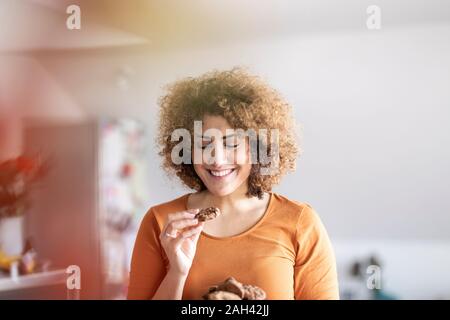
pixel 87 207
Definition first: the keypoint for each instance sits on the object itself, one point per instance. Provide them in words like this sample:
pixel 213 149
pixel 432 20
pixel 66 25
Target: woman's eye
pixel 228 146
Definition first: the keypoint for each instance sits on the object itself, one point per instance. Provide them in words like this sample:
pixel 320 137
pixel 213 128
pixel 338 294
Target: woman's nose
pixel 219 155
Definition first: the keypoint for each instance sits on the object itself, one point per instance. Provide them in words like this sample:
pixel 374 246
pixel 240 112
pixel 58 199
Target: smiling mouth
pixel 221 173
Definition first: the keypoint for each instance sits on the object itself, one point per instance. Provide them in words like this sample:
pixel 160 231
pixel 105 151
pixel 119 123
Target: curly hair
pixel 246 102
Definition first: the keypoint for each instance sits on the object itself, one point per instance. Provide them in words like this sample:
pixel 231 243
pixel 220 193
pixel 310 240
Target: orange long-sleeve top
pixel 287 253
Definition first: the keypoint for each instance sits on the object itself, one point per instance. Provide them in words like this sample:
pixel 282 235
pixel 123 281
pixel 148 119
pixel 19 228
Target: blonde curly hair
pixel 246 102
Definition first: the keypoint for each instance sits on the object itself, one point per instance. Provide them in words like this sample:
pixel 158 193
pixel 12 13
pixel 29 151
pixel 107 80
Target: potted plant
pixel 17 176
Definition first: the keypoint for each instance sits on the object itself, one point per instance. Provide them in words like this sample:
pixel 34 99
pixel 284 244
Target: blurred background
pixel 78 119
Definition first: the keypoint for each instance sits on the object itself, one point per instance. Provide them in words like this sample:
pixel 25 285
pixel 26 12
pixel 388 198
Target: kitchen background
pixel 374 106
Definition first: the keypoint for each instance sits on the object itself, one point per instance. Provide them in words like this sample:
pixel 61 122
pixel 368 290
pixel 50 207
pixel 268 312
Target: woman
pixel 261 237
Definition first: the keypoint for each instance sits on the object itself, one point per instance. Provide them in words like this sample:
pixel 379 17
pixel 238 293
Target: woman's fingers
pixel 191 234
pixel 171 230
pixel 195 236
pixel 181 224
pixel 192 231
pixel 178 225
pixel 181 215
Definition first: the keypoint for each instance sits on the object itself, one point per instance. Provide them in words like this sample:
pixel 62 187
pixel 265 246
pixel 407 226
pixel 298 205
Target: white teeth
pixel 221 173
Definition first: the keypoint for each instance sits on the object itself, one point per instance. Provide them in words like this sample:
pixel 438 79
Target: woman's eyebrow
pixel 203 137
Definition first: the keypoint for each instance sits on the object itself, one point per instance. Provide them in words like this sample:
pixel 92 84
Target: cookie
pixel 221 295
pixel 231 285
pixel 253 293
pixel 207 214
pixel 231 289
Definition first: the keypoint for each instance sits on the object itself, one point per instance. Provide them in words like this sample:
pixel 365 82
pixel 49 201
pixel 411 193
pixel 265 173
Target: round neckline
pixel 244 233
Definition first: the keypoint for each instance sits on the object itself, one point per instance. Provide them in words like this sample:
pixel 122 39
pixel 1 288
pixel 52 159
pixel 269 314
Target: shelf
pixel 33 280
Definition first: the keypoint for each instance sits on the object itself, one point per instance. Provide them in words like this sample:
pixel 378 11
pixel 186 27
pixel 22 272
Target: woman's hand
pixel 179 239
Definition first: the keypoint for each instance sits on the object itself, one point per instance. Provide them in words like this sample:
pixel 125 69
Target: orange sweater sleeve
pixel 315 275
pixel 147 262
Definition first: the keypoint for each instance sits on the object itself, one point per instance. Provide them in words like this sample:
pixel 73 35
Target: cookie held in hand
pixel 231 289
pixel 221 295
pixel 253 293
pixel 231 285
pixel 207 214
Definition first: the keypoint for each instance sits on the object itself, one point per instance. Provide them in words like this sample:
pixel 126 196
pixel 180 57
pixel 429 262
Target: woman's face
pixel 224 165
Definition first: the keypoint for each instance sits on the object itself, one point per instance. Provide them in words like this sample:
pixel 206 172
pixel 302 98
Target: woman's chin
pixel 221 192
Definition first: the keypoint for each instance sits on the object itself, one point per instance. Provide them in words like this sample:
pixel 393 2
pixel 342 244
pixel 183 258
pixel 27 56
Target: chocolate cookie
pixel 221 295
pixel 231 289
pixel 207 214
pixel 231 285
pixel 253 293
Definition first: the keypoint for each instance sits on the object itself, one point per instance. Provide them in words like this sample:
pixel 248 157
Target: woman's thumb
pixel 196 236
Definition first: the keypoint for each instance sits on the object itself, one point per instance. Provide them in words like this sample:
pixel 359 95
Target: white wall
pixel 409 269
